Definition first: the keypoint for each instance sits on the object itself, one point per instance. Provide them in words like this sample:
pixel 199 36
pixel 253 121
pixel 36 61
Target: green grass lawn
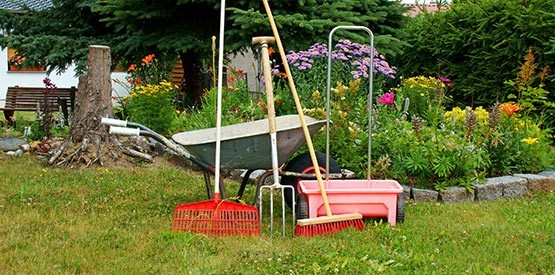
pixel 117 221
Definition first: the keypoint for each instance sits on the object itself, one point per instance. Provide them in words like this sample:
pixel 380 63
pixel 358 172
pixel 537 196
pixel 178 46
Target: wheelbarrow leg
pixel 207 174
pixel 244 183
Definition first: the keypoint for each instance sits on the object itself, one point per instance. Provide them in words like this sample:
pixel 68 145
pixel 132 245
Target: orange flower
pixel 147 59
pixel 271 51
pixel 263 105
pixel 240 73
pixel 132 67
pixel 510 108
pixel 230 79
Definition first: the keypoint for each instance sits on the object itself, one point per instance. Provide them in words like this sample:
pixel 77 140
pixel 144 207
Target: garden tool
pixel 217 217
pixel 263 41
pixel 328 223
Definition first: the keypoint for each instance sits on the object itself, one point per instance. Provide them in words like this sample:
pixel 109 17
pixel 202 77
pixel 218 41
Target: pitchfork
pixel 263 41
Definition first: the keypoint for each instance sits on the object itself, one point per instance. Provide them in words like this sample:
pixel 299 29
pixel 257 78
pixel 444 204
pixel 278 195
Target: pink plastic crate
pixel 374 198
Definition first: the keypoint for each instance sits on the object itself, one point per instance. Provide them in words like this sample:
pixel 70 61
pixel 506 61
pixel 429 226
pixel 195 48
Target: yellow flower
pixel 340 89
pixel 530 140
pixel 316 96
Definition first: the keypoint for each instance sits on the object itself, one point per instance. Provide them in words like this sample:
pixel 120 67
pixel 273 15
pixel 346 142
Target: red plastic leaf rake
pixel 217 218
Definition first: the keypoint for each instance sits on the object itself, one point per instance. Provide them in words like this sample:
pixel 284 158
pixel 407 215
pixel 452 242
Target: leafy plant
pixel 150 70
pixel 425 96
pixel 152 105
pixel 530 93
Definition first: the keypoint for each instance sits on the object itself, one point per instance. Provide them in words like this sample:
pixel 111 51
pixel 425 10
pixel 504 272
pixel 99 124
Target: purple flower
pixel 387 99
pixel 348 54
pixel 356 74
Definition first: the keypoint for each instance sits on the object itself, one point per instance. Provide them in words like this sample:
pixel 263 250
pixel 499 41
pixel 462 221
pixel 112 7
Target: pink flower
pixel 446 81
pixel 387 99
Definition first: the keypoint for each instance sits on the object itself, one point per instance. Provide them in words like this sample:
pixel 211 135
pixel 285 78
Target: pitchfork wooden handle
pixel 263 41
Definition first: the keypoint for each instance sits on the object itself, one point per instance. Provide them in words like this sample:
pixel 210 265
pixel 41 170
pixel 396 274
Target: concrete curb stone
pixel 423 195
pixel 538 183
pixel 456 194
pixel 501 187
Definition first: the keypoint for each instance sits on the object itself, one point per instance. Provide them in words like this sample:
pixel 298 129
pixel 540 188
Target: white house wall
pixel 34 79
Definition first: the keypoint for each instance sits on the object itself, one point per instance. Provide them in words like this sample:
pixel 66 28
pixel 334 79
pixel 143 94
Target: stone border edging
pixel 496 188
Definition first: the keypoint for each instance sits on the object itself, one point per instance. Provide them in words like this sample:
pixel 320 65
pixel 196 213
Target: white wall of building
pixel 34 79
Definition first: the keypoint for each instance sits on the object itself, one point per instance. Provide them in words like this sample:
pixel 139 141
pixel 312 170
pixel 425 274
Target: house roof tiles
pixel 32 4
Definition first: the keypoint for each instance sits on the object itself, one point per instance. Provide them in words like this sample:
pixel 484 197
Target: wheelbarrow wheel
pixel 303 164
pixel 302 207
pixel 401 207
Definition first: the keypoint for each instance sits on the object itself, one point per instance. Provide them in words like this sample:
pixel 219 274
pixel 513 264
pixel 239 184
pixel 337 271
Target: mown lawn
pixel 116 221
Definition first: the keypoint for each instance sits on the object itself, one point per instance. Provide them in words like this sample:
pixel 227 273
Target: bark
pixel 89 142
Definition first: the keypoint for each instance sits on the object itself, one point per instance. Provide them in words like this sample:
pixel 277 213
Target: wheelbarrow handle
pixel 124 131
pixel 113 122
pixel 123 123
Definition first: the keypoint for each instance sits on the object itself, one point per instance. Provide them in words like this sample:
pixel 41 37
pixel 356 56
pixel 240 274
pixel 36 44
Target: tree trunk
pixel 89 141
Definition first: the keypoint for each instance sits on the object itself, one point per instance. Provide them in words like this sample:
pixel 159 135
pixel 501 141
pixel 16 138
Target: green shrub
pixel 477 44
pixel 153 106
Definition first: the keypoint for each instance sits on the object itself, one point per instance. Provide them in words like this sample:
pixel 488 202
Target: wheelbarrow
pixel 243 146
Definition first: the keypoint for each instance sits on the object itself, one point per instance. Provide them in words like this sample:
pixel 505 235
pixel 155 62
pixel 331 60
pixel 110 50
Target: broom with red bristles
pixel 329 223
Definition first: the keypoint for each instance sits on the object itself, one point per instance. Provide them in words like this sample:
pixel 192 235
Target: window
pixel 15 61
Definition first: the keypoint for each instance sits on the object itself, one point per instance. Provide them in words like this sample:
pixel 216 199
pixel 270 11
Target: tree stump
pixel 89 142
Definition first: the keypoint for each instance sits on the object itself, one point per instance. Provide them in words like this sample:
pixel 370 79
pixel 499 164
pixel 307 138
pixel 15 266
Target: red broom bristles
pixel 327 228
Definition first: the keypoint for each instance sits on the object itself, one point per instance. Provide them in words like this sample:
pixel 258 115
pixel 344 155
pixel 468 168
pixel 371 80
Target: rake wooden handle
pixel 299 108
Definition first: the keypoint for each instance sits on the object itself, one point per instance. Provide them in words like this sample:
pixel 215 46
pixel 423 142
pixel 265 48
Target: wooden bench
pixel 35 99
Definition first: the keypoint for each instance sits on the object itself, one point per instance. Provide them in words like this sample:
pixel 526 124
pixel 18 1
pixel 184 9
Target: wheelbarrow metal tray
pixel 371 198
pixel 247 145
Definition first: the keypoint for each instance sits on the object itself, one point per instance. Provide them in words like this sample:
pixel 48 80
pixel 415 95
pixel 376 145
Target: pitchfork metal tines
pixel 263 41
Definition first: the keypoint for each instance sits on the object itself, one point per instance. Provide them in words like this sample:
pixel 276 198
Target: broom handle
pixel 299 108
